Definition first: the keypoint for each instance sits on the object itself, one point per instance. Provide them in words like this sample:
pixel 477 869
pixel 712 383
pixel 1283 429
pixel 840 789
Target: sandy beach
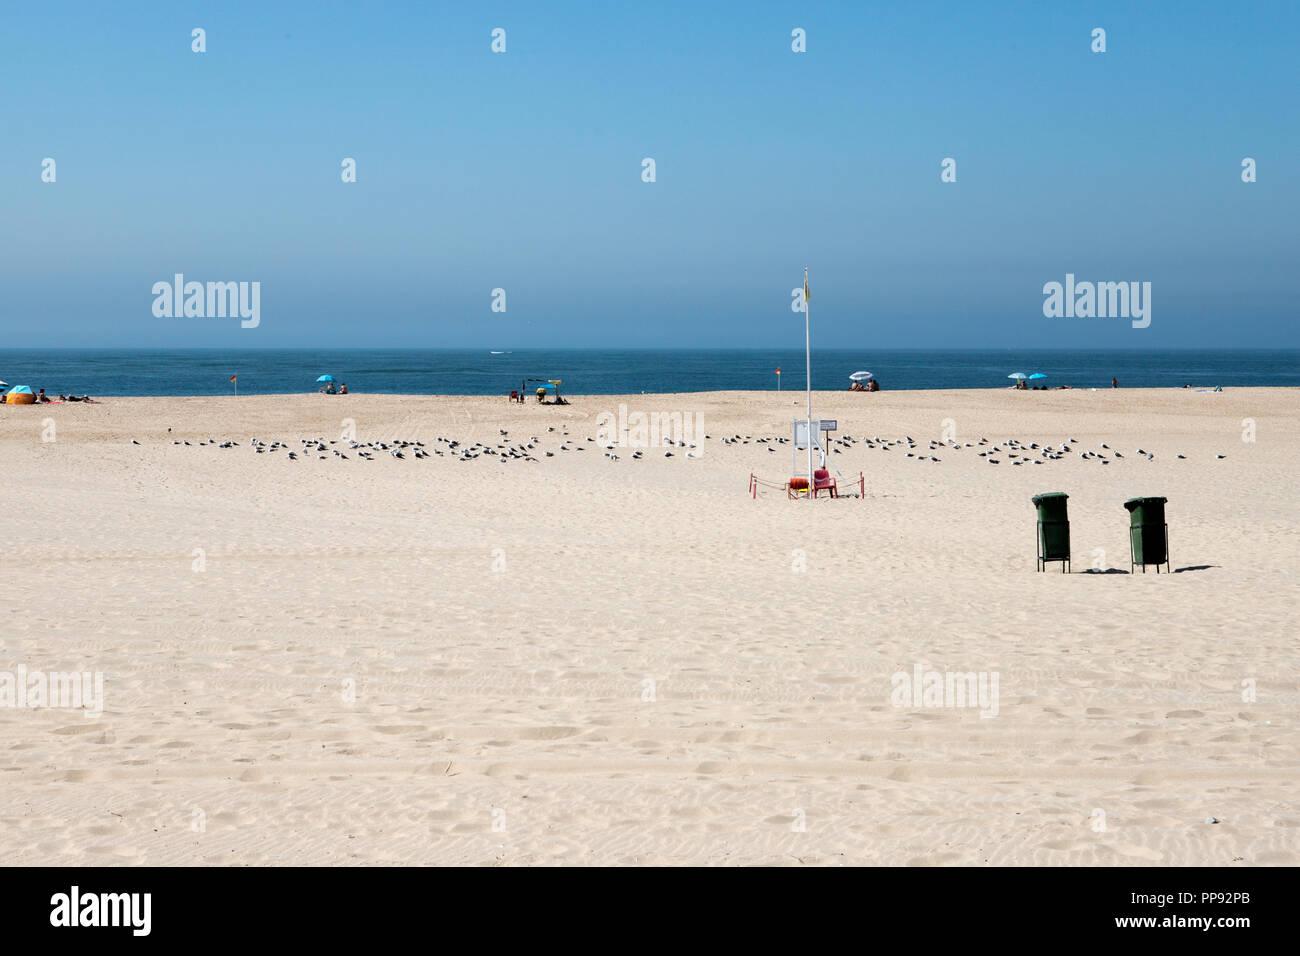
pixel 581 660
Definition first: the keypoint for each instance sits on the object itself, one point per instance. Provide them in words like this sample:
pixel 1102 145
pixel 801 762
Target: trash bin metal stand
pixel 1041 564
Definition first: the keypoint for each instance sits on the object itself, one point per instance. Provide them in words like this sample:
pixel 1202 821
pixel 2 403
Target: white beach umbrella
pixel 1017 375
pixel 861 376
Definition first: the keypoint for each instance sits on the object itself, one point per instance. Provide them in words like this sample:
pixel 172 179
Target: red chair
pixel 822 481
pixel 514 395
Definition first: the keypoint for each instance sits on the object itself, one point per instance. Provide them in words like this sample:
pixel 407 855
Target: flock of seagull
pixel 454 449
pixel 1011 450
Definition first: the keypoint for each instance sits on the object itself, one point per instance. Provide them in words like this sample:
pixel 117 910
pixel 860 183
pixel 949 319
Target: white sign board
pixel 799 430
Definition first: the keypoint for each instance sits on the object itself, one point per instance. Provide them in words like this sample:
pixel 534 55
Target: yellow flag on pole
pixel 805 287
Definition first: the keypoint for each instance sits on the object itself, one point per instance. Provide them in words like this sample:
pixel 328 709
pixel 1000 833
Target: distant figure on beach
pixel 343 389
pixel 1114 383
pixel 41 396
pixel 873 386
pixel 331 390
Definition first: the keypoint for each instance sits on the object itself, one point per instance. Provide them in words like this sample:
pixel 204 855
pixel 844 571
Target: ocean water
pixel 105 372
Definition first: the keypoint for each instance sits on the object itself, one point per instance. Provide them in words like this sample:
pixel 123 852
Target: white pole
pixel 807 348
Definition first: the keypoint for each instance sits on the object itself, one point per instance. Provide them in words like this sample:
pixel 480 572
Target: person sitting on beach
pixel 1114 383
pixel 331 390
pixel 873 386
pixel 41 396
pixel 343 389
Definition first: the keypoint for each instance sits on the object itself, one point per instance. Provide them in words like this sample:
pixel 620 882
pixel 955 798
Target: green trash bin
pixel 1053 529
pixel 1148 534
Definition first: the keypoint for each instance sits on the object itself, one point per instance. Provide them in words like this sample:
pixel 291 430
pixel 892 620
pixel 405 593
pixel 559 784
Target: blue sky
pixel 522 171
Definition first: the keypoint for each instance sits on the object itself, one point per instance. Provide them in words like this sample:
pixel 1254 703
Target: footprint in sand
pixel 82 776
pixel 711 767
pixel 85 728
pixel 1068 846
pixel 938 859
pixel 547 733
pixel 1138 852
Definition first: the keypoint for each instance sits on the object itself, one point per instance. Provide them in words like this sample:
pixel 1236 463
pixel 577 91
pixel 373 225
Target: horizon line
pixel 627 348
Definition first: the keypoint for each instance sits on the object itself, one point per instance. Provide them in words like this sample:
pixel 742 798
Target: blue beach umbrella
pixel 1038 375
pixel 21 390
pixel 325 378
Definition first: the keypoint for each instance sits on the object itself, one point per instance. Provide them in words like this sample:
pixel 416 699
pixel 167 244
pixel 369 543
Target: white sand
pixel 500 715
